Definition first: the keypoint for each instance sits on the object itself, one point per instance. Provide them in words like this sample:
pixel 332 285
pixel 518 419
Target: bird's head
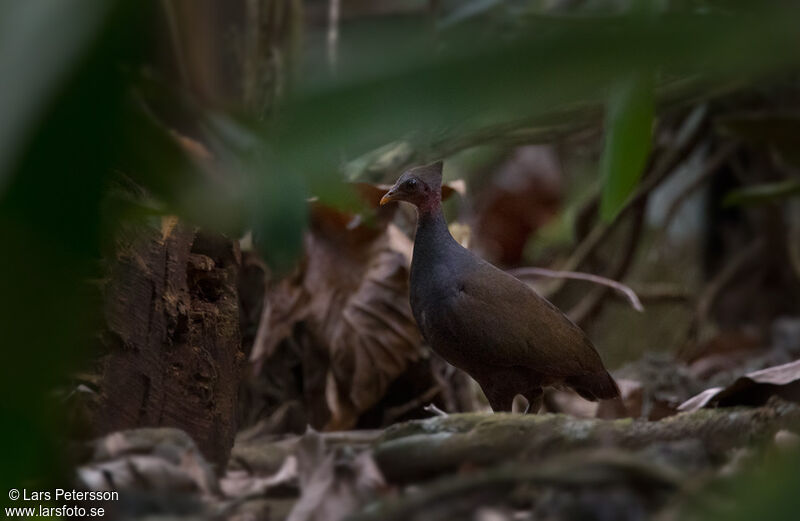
pixel 420 186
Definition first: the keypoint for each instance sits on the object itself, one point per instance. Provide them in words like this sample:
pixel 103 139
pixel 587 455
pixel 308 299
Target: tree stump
pixel 173 346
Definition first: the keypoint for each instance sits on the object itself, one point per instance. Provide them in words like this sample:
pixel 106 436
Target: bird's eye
pixel 411 184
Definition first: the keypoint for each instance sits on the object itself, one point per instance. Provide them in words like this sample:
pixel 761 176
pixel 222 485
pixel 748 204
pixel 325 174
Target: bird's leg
pixel 535 397
pixel 520 404
pixel 500 388
pixel 500 399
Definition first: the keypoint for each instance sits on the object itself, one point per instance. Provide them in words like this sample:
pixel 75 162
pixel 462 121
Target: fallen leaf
pixel 346 310
pixel 523 195
pixel 239 483
pixel 751 389
pixel 148 459
pixel 351 296
pixel 333 483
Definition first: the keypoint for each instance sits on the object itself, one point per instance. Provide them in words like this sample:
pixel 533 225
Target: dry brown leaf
pixel 350 298
pixel 751 389
pixel 351 294
pixel 239 483
pixel 333 483
pixel 523 193
pixel 634 403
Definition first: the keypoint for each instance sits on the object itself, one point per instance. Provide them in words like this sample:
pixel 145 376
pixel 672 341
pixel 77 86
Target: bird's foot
pixel 527 404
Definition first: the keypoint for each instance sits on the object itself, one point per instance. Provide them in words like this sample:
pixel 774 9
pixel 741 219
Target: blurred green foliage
pixel 77 111
pixel 61 124
pixel 766 490
pixel 629 123
pixel 763 193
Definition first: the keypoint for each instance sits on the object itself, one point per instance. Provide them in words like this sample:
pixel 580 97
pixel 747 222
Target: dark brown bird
pixel 486 322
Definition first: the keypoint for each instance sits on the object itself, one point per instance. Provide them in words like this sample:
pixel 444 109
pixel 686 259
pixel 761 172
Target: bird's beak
pixel 388 197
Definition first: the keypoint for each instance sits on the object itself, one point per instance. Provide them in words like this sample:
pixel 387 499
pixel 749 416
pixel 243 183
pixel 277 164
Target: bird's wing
pixel 514 326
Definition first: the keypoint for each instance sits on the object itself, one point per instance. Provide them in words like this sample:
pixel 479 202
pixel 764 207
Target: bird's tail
pixel 594 386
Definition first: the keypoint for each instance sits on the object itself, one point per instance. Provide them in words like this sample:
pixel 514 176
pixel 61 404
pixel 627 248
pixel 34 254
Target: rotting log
pixel 426 448
pixel 562 487
pixel 172 342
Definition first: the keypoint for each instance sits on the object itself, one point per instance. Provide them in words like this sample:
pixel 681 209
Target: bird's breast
pixel 441 328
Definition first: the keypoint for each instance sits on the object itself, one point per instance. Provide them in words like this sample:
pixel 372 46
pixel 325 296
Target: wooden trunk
pixel 173 345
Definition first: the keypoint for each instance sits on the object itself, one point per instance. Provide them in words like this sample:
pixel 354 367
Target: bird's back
pixel 483 320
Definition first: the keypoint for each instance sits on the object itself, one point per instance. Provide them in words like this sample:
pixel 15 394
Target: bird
pixel 483 320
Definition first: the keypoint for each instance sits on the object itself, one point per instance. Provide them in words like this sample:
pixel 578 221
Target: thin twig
pixel 793 246
pixel 333 33
pixel 735 265
pixel 705 302
pixel 576 275
pixel 431 408
pixel 592 302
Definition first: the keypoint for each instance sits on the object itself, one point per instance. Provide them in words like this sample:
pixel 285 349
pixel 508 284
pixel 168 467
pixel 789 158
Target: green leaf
pixel 763 193
pixel 629 123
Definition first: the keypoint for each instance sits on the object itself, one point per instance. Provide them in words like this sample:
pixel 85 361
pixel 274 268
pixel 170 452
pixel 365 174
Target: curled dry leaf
pixel 751 389
pixel 351 296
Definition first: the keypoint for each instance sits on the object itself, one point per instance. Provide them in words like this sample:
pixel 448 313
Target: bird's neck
pixel 432 233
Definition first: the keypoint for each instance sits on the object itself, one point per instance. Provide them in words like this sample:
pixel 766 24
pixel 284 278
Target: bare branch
pixel 576 275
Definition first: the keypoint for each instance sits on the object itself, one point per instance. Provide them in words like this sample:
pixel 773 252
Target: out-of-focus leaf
pixel 764 193
pixel 372 166
pixel 65 135
pixel 273 197
pixel 279 216
pixel 384 91
pixel 371 194
pixel 781 131
pixel 629 123
pixel 56 35
pixel 204 187
pixel 766 491
pixel 151 458
pixel 751 389
pixel 334 483
pixel 468 10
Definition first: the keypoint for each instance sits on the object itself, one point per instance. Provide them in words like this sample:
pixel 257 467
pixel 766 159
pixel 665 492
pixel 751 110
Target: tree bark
pixel 173 346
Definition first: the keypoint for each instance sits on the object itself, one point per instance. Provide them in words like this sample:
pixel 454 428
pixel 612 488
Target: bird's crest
pixel 430 174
